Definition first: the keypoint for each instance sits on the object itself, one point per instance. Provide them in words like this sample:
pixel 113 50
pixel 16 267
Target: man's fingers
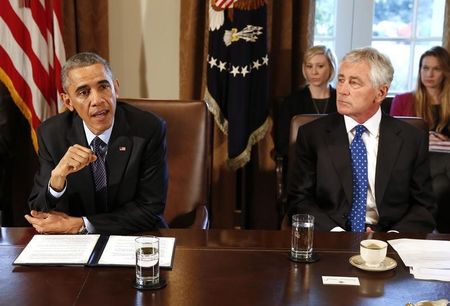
pixel 38 229
pixel 39 214
pixel 39 222
pixel 59 214
pixel 78 157
pixel 28 218
pixel 79 148
pixel 80 153
pixel 52 222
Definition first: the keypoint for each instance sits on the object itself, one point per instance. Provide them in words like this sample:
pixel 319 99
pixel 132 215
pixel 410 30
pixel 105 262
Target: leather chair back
pixel 189 148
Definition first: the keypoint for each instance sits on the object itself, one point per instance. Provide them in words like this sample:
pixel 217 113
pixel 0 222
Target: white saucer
pixel 387 264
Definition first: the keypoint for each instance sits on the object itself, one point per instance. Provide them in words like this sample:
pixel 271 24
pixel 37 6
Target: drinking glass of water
pixel 302 238
pixel 147 261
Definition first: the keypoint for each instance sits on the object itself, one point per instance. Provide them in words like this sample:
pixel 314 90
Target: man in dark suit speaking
pixel 359 169
pixel 102 163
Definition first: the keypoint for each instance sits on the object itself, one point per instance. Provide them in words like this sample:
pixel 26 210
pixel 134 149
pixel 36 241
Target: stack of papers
pixel 439 146
pixel 89 250
pixel 427 259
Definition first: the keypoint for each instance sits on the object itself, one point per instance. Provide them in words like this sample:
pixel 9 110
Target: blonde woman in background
pixel 317 97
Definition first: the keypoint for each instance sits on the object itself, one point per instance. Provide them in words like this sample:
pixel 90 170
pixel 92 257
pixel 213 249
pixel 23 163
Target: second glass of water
pixel 302 236
pixel 147 261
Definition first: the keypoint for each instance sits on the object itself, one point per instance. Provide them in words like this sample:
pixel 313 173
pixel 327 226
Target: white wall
pixel 144 47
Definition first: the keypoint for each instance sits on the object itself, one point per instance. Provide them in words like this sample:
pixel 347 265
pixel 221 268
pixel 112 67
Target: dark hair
pixel 83 59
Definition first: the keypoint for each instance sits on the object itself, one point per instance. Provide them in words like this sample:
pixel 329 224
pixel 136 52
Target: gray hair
pixel 381 70
pixel 83 59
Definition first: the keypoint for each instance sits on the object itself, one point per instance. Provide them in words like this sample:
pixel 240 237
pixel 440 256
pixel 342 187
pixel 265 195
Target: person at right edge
pixel 431 101
pixel 392 157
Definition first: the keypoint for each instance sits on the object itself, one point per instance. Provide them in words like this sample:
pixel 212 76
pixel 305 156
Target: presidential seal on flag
pixel 236 92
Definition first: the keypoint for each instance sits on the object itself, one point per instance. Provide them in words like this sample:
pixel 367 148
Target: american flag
pixel 31 54
pixel 223 4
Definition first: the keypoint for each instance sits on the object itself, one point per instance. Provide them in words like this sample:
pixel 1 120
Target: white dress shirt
pixel 370 139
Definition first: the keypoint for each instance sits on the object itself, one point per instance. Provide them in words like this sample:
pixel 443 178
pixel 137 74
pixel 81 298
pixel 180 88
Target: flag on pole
pixel 236 92
pixel 31 54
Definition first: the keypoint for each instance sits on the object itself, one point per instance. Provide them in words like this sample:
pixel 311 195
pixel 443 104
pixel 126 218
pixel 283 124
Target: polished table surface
pixel 220 267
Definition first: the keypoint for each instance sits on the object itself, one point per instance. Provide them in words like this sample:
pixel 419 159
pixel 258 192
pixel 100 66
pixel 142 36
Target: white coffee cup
pixel 373 251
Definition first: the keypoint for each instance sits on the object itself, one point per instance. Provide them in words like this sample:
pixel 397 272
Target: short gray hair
pixel 381 70
pixel 83 59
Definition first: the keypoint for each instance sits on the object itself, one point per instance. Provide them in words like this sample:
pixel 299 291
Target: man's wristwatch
pixel 83 230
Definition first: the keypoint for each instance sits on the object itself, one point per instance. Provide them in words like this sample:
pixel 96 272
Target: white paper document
pixel 89 250
pixel 58 249
pixel 120 250
pixel 431 274
pixel 427 259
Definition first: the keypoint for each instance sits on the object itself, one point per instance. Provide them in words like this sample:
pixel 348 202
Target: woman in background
pixel 317 97
pixel 431 101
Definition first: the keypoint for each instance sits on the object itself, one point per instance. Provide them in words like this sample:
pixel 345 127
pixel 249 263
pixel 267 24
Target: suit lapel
pixel 82 178
pixel 389 145
pixel 119 150
pixel 338 148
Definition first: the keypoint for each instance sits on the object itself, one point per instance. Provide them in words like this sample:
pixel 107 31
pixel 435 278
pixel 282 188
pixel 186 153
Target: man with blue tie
pixel 102 163
pixel 360 169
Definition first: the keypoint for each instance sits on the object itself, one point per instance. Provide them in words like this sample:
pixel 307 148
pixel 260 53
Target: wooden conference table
pixel 220 267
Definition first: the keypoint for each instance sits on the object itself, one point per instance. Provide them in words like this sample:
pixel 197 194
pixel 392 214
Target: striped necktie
pixel 99 174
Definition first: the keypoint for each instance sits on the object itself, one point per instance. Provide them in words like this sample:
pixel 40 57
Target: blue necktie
pixel 99 173
pixel 360 181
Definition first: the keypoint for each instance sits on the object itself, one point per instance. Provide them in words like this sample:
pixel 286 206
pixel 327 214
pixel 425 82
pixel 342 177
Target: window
pixel 402 29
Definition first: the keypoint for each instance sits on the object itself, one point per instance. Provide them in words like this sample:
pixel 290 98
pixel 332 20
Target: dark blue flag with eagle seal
pixel 236 92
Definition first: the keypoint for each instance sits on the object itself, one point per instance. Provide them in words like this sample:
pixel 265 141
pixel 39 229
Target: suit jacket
pixel 321 179
pixel 300 102
pixel 135 164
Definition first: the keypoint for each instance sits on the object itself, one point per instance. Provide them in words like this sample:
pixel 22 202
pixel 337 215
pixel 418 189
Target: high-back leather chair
pixel 302 119
pixel 189 148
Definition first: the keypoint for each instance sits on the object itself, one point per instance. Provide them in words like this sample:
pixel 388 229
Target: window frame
pixel 354 30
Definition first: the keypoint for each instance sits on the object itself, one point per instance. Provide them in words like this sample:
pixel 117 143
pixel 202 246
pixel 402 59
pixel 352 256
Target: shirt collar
pixel 103 136
pixel 372 124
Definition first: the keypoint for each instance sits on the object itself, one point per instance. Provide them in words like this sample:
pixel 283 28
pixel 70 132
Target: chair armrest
pixel 285 224
pixel 201 220
pixel 279 169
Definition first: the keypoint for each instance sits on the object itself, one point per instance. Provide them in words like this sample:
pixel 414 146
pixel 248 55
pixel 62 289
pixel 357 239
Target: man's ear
pixel 382 93
pixel 116 87
pixel 67 101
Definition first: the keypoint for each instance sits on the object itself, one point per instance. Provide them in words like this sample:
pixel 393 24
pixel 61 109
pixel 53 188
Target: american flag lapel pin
pixel 122 149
